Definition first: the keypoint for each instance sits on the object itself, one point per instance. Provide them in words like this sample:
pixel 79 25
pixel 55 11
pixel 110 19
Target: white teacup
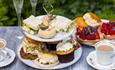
pixel 3 53
pixel 105 50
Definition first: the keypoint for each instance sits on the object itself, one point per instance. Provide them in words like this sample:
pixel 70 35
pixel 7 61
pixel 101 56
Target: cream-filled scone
pixel 46 59
pixel 65 52
pixel 47 33
pixel 31 25
pixel 91 19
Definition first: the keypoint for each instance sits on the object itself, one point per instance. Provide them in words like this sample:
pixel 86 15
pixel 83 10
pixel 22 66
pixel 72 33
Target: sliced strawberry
pixel 103 27
pixel 107 32
pixel 97 35
pixel 112 31
pixel 82 36
pixel 90 37
pixel 78 31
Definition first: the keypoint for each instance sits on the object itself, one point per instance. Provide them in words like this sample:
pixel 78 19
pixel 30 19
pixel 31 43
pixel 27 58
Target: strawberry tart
pixel 108 30
pixel 88 33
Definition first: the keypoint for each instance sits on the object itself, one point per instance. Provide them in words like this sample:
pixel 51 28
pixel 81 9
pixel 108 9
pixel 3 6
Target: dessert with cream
pixel 91 19
pixel 65 52
pixel 46 59
pixel 45 29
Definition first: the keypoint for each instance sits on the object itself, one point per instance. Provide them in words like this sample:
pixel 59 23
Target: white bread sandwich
pixel 31 25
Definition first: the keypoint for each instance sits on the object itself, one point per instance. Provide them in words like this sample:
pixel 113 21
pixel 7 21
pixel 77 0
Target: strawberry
pixel 97 35
pixel 112 31
pixel 78 31
pixel 90 37
pixel 103 27
pixel 82 36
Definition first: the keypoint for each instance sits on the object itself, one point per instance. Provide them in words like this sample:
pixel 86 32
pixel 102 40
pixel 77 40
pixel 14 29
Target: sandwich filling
pixel 29 29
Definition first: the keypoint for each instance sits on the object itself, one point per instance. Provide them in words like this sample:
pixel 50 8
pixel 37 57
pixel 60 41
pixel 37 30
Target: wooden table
pixel 8 33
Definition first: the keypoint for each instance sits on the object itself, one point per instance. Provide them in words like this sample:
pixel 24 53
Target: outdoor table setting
pixel 55 42
pixel 8 33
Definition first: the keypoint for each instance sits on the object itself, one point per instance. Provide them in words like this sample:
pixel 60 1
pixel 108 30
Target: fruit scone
pixel 87 29
pixel 108 29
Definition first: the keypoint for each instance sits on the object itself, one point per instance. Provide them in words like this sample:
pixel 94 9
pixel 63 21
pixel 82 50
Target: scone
pixel 47 31
pixel 46 59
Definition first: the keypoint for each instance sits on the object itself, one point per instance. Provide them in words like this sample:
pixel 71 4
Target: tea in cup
pixel 105 51
pixel 3 53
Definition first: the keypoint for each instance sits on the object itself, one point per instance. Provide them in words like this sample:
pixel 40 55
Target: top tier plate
pixel 61 22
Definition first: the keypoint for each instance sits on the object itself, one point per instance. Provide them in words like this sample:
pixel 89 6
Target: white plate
pixel 9 59
pixel 77 55
pixel 92 61
pixel 61 22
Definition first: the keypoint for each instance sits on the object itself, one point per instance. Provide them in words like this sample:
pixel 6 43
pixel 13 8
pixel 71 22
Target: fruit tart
pixel 108 29
pixel 87 34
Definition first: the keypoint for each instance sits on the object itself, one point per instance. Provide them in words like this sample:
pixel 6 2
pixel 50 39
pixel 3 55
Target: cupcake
pixel 65 52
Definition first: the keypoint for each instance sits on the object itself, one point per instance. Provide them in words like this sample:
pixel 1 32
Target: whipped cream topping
pixel 64 47
pixel 89 20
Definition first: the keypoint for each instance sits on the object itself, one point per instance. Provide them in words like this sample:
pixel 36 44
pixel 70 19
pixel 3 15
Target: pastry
pixel 31 25
pixel 30 48
pixel 80 22
pixel 46 31
pixel 91 19
pixel 89 35
pixel 108 29
pixel 46 59
pixel 65 52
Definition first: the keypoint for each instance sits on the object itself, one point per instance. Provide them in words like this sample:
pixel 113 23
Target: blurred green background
pixel 69 8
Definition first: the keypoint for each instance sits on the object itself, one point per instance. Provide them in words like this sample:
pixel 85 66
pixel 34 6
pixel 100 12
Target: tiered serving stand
pixel 61 21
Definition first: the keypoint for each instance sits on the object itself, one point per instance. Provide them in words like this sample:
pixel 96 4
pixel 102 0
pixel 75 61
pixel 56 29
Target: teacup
pixel 3 53
pixel 105 51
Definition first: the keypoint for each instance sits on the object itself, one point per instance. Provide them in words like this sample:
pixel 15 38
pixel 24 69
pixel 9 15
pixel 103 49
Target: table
pixel 8 33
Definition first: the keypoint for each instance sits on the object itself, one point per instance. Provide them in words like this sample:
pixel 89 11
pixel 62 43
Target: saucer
pixel 9 58
pixel 92 61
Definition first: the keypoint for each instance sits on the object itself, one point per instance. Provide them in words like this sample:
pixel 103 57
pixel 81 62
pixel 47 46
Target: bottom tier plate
pixel 77 55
